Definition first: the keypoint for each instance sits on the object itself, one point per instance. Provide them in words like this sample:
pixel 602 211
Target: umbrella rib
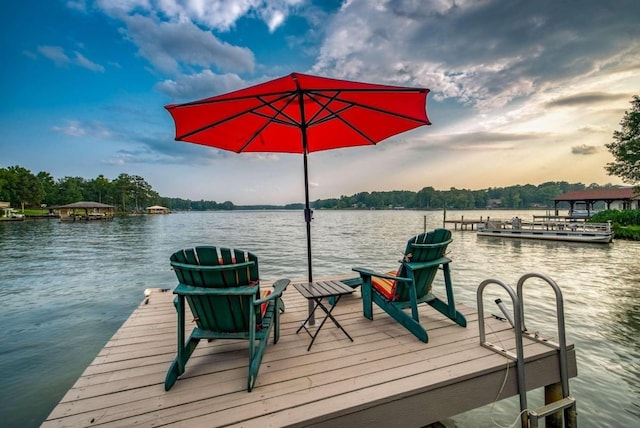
pixel 333 114
pixel 364 106
pixel 291 121
pixel 217 99
pixel 270 118
pixel 336 114
pixel 232 117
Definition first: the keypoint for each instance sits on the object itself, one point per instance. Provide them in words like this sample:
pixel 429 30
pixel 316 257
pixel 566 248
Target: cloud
pixel 82 61
pixel 584 149
pixel 478 141
pixel 594 129
pixel 485 54
pixel 588 98
pixel 61 59
pixel 275 20
pixel 73 128
pixel 199 85
pixel 79 5
pixel 55 54
pixel 220 15
pixel 76 128
pixel 171 45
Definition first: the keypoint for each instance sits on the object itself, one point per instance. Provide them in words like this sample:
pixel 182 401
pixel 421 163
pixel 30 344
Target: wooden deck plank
pixel 338 382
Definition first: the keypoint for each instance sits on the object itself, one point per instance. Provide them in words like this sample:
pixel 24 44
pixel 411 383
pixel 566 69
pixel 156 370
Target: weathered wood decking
pixel 386 375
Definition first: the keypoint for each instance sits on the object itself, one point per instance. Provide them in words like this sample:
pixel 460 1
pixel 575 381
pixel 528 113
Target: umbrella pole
pixel 307 218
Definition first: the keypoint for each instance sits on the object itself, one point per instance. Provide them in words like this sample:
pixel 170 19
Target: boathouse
pixel 157 209
pixel 616 198
pixel 84 210
pixel 5 209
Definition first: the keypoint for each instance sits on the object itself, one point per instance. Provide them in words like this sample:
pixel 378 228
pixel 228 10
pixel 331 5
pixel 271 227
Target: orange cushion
pixel 386 287
pixel 265 305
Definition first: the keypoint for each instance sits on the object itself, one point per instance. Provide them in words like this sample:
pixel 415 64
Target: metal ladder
pixel 531 417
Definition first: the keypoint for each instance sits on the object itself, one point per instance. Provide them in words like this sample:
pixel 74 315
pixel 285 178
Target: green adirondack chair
pixel 221 287
pixel 411 284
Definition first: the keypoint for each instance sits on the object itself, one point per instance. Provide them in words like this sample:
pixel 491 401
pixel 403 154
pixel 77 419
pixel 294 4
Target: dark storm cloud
pixel 584 149
pixel 587 98
pixel 480 141
pixel 483 53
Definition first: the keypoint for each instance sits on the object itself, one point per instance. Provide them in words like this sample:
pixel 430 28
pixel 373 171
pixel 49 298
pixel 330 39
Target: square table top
pixel 313 290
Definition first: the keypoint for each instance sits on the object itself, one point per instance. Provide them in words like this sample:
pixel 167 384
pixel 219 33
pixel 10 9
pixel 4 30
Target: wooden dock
pixel 464 223
pixel 385 377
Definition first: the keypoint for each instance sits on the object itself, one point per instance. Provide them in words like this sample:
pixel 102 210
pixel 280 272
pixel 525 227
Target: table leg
pixel 328 315
pixel 312 310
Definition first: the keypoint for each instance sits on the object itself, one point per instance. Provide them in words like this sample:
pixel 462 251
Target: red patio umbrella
pixel 301 113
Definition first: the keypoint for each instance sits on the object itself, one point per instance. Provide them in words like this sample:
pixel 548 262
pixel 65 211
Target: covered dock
pixel 581 202
pixel 385 377
pixel 84 210
pixel 157 209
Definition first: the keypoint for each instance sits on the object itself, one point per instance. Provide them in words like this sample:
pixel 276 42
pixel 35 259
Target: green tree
pixel 5 185
pixel 27 188
pixel 134 193
pixel 124 187
pixel 69 190
pixel 141 192
pixel 48 186
pixel 626 147
pixel 99 188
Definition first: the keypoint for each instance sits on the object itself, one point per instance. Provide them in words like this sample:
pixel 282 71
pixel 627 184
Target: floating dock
pixel 385 377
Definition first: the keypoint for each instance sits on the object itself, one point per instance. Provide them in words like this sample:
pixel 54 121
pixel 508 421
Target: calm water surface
pixel 65 288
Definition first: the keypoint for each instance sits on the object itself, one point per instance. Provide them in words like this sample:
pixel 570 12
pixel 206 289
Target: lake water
pixel 65 289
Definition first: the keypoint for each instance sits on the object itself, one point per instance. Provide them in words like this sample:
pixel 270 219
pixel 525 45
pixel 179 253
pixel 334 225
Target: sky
pixel 522 92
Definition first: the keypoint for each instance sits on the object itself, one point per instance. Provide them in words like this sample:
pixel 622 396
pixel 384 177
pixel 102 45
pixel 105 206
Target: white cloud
pixel 76 128
pixel 73 128
pixel 200 85
pixel 61 59
pixel 220 15
pixel 167 45
pixel 79 5
pixel 82 61
pixel 55 54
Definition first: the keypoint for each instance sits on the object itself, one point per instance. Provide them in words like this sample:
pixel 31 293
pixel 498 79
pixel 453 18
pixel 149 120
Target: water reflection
pixel 625 332
pixel 70 285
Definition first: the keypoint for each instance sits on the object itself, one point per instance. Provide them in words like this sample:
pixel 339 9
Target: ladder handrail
pixel 519 358
pixel 562 341
pixel 530 417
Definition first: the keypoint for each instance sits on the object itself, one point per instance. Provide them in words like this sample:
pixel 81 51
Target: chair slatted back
pixel 222 313
pixel 424 247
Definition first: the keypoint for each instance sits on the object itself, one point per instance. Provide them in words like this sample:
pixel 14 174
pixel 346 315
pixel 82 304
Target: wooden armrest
pixel 431 263
pixel 278 288
pixel 352 282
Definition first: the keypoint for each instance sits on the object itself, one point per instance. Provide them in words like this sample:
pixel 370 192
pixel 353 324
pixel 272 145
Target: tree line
pixel 22 188
pixel 512 197
pixel 128 193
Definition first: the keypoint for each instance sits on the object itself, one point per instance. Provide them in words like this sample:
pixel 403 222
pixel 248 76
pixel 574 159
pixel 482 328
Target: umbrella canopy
pixel 301 113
